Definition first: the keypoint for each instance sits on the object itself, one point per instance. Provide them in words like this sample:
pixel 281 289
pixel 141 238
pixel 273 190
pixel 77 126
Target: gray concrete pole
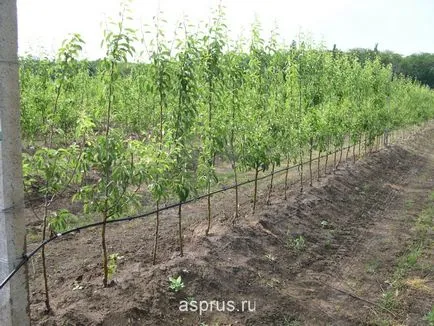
pixel 14 297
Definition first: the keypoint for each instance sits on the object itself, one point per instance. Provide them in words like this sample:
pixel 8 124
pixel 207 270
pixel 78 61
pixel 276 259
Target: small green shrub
pixel 176 284
pixel 429 317
pixel 298 243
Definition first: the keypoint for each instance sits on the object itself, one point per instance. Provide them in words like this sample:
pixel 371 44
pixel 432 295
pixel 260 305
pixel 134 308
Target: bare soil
pixel 322 257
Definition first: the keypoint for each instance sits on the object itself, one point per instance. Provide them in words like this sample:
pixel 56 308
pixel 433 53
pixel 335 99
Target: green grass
pixel 298 243
pixel 409 260
pixel 372 266
pixel 429 317
pixel 288 321
pixel 409 203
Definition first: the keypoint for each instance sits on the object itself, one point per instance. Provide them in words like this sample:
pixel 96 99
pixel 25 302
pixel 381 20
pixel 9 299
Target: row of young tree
pixel 131 125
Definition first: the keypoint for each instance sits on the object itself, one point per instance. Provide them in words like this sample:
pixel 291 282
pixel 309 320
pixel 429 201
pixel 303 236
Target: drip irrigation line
pixel 26 257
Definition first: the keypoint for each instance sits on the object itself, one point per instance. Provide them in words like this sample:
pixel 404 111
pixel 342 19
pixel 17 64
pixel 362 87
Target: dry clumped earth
pixel 327 256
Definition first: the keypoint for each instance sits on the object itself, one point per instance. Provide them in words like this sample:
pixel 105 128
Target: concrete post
pixel 14 297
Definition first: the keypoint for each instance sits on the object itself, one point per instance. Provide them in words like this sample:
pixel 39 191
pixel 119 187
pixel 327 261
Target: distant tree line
pixel 419 66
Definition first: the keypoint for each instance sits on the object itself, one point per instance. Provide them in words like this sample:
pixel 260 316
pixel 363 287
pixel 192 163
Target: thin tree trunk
pixel 44 263
pixel 286 178
pixel 365 144
pixel 157 227
pixel 327 156
pixel 319 163
pixel 234 161
pixel 210 108
pixel 104 251
pixel 334 161
pixel 181 246
pixel 299 130
pixel 310 161
pixel 160 147
pixel 354 153
pixel 348 149
pixel 107 176
pixel 234 167
pixel 301 171
pixel 271 185
pixel 360 144
pixel 209 208
pixel 340 156
pixel 256 189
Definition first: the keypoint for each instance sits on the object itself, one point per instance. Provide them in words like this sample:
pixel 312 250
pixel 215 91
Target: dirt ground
pixel 331 255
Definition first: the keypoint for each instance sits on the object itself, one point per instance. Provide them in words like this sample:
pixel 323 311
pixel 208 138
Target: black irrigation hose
pixel 27 256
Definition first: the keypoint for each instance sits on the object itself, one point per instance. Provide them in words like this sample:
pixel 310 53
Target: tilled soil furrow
pixel 321 257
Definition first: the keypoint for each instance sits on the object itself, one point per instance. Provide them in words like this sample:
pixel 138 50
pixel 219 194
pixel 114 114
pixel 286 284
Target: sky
pixel 402 26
